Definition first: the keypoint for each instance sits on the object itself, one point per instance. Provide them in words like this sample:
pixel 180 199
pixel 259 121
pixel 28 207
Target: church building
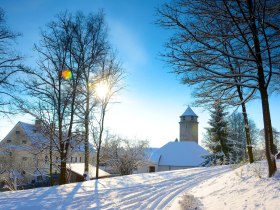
pixel 182 154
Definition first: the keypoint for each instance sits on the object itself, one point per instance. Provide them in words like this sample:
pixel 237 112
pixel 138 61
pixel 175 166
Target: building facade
pixel 26 151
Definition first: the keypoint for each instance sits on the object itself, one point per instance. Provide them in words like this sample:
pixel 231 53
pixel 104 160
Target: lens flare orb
pixel 66 74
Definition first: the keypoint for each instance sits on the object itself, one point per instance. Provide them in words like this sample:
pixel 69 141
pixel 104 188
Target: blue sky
pixel 153 99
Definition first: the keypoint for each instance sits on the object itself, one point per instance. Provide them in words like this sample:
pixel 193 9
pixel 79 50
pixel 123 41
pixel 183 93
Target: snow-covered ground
pixel 246 187
pixel 208 188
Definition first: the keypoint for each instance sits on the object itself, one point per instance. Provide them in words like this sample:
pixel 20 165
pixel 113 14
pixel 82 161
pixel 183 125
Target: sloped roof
pixel 152 154
pixel 189 112
pixel 79 168
pixel 184 154
pixel 33 133
pixel 36 136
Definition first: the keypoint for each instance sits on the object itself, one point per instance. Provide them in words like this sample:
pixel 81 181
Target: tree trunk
pixel 264 96
pixel 87 133
pixel 268 134
pixel 63 177
pixel 51 154
pixel 97 163
pixel 247 128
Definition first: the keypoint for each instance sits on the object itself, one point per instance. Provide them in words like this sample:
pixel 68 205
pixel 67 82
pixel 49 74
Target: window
pixel 192 118
pixel 17 132
pixel 76 159
pixel 24 141
pixel 39 178
pixel 80 159
pixel 24 158
pixel 9 141
pixel 46 159
pixel 11 153
pixel 71 159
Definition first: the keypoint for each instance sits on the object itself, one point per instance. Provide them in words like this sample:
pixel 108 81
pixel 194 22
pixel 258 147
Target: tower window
pixel 17 132
pixel 183 118
pixel 9 141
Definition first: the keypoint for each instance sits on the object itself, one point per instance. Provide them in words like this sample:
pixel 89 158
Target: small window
pixel 11 154
pixel 39 178
pixel 76 159
pixel 71 159
pixel 17 132
pixel 192 118
pixel 24 141
pixel 9 141
pixel 24 158
pixel 46 159
pixel 80 159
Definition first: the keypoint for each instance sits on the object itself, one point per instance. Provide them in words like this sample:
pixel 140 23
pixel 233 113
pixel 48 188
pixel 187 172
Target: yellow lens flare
pixel 102 90
pixel 66 74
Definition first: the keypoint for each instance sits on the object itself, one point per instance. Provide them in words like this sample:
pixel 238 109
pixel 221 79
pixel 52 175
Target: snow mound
pixel 246 187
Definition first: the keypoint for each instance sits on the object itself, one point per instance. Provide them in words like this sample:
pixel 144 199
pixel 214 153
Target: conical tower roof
pixel 189 112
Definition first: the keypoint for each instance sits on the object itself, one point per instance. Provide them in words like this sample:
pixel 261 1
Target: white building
pixel 186 153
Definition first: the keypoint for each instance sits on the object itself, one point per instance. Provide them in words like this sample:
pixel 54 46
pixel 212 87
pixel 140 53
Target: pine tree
pixel 216 138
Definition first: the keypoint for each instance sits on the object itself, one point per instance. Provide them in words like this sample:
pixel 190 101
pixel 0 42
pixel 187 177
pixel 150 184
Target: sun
pixel 102 89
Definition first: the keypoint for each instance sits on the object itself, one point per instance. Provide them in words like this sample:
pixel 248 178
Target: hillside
pixel 212 188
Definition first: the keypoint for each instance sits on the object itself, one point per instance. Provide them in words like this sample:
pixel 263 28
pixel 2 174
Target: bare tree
pixel 9 64
pixel 54 83
pixel 106 85
pixel 197 51
pixel 89 49
pixel 125 155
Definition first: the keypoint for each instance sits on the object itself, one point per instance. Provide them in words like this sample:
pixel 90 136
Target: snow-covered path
pixel 140 191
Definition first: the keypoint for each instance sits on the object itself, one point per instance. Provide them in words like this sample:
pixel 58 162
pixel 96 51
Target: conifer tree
pixel 216 139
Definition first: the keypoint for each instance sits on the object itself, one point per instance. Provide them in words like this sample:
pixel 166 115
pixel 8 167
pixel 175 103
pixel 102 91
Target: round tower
pixel 189 126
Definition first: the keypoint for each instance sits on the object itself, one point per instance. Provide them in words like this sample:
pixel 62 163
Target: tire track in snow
pixel 162 193
pixel 133 199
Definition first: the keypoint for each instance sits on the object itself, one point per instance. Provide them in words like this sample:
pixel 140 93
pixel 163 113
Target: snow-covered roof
pixel 79 168
pixel 189 112
pixel 184 154
pixel 33 133
pixel 37 137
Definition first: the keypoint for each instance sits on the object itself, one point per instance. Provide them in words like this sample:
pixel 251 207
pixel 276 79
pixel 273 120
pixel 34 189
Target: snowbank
pixel 246 187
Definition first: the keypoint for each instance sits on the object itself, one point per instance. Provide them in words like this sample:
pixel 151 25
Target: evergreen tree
pixel 216 138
